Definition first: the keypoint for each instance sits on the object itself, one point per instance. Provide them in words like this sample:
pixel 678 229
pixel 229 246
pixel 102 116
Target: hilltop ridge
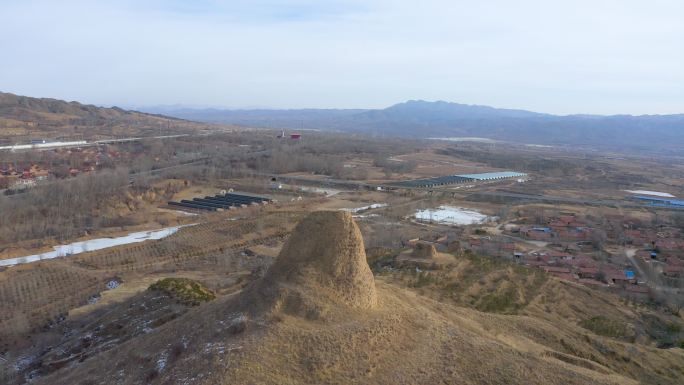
pixel 23 118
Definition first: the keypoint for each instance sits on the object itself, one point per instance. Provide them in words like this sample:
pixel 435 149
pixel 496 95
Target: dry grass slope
pixel 290 328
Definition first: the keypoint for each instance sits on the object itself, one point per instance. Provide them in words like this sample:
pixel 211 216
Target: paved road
pixel 55 145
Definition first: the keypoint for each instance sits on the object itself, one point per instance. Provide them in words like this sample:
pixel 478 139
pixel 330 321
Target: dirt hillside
pixel 325 254
pixel 424 250
pixel 318 317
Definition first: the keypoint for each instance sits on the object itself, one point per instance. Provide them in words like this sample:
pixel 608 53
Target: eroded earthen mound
pixel 424 255
pixel 325 256
pixel 424 250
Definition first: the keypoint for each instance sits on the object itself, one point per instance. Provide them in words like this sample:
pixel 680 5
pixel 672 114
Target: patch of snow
pixel 214 348
pixel 22 363
pixel 364 208
pixel 652 193
pixel 319 190
pixel 185 213
pixel 452 216
pixel 91 245
pixel 161 362
pixel 364 216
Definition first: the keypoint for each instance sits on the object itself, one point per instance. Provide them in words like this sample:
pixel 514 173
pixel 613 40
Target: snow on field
pixel 364 208
pixel 319 190
pixel 185 213
pixel 452 216
pixel 364 216
pixel 653 193
pixel 92 244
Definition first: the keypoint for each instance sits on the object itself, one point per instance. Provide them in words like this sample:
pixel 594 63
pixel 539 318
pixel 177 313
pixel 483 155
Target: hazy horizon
pixel 617 57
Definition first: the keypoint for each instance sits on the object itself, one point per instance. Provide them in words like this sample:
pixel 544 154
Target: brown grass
pixel 309 335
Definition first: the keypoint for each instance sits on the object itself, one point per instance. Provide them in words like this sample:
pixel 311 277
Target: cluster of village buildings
pixel 569 252
pixel 17 176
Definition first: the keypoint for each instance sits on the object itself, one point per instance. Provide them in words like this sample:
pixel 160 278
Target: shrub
pixel 607 327
pixel 499 302
pixel 184 290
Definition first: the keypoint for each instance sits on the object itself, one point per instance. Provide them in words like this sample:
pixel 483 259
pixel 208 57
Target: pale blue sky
pixel 581 56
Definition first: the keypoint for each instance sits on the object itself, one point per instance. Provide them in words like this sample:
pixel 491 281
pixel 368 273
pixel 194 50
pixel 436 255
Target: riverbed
pixel 91 245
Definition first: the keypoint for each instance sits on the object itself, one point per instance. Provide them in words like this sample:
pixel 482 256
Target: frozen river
pixel 91 245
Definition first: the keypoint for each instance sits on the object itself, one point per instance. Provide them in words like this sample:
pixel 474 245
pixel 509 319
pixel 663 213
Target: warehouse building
pixel 459 179
pixel 660 202
pixel 494 175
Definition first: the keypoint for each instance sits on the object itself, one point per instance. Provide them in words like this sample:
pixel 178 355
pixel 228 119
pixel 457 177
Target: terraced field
pixel 33 295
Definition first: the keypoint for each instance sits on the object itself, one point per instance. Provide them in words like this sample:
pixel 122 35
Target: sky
pixel 564 57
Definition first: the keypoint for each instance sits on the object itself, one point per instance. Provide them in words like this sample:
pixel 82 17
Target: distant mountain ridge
pixel 25 107
pixel 648 134
pixel 23 118
pixel 418 118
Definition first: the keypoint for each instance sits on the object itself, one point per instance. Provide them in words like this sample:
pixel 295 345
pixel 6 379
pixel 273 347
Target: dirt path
pixel 629 253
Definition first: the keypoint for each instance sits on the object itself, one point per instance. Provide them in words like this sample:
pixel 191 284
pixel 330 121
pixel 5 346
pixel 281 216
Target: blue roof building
pixel 660 202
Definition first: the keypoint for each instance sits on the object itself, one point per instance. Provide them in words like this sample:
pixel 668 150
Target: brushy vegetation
pixel 607 327
pixel 504 302
pixel 184 290
pixel 483 283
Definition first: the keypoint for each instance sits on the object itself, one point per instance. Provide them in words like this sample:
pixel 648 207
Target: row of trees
pixel 61 209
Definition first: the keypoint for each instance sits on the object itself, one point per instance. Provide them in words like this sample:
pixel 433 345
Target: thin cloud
pixel 575 57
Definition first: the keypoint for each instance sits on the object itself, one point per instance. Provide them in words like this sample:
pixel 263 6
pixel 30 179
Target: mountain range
pixel 423 119
pixel 644 134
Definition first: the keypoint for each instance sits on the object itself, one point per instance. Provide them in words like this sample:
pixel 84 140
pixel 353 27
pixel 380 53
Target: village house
pixel 580 261
pixel 591 282
pixel 618 277
pixel 636 237
pixel 537 233
pixel 669 244
pixel 559 272
pixel 674 271
pixel 588 272
pixel 637 292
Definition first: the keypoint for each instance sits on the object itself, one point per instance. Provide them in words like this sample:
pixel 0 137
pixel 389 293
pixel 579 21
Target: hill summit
pixel 317 316
pixel 322 263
